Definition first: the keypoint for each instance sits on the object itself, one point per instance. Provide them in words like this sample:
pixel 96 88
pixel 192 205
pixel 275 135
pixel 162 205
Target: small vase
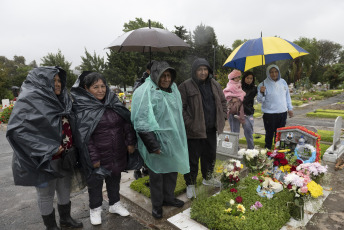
pixel 297 209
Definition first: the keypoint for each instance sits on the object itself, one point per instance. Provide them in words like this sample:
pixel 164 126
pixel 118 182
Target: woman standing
pixel 247 83
pixel 106 135
pixel 39 131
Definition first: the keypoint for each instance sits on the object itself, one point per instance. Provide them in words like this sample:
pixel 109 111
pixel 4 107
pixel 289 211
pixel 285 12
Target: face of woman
pixel 165 80
pixel 57 84
pixel 249 79
pixel 98 89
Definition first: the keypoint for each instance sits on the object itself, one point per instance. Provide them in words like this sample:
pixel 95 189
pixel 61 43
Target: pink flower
pixel 233 190
pixel 258 204
pixel 304 189
pixel 255 178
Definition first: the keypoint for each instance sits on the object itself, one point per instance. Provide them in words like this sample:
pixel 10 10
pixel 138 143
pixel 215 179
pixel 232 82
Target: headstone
pixel 5 103
pixel 227 146
pixel 337 148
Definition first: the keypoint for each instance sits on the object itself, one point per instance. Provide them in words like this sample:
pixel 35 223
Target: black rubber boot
pixel 66 220
pixel 50 221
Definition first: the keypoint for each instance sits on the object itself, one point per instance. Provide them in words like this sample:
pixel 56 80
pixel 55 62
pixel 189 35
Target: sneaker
pixel 212 182
pixel 96 216
pixel 236 116
pixel 119 209
pixel 190 191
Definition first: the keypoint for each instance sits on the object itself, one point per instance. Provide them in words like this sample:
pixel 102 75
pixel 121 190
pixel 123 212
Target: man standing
pixel 204 113
pixel 274 95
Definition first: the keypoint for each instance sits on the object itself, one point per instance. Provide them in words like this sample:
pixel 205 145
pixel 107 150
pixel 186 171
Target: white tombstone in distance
pixel 5 103
pixel 337 148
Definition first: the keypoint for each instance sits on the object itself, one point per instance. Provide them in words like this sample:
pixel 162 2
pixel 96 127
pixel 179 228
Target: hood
pixel 268 74
pixel 158 68
pixel 44 77
pixel 197 63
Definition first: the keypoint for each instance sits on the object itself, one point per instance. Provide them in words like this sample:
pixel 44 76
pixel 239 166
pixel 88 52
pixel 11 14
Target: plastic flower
pixel 238 199
pixel 241 208
pixel 234 190
pixel 228 210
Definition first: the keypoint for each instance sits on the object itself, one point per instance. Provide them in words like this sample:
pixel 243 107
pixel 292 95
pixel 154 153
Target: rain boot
pixel 66 220
pixel 50 221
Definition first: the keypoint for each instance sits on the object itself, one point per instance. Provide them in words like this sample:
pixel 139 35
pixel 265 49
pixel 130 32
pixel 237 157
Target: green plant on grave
pixel 273 215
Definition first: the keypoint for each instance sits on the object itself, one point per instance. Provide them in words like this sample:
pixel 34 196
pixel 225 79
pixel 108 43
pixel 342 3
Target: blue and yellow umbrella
pixel 261 51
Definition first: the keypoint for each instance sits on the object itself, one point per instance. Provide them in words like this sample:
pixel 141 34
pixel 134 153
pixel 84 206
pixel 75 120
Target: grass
pixel 324 115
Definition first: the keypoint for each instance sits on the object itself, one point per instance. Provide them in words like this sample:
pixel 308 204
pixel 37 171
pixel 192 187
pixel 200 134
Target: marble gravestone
pixel 227 146
pixel 5 103
pixel 337 148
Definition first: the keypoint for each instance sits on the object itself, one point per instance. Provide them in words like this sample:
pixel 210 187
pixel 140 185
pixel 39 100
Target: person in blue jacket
pixel 274 95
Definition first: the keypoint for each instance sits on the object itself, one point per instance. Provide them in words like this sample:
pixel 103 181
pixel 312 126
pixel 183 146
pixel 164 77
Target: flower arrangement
pixel 297 182
pixel 229 172
pixel 6 113
pixel 236 209
pixel 315 170
pixel 121 97
pixel 256 160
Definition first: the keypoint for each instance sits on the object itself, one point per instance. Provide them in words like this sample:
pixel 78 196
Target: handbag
pixel 69 158
pixel 134 160
pixel 233 107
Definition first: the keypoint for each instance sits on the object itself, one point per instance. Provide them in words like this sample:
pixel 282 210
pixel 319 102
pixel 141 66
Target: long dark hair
pixel 243 83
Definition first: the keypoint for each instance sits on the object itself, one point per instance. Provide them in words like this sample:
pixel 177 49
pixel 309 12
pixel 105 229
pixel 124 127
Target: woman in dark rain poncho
pixel 105 135
pixel 39 131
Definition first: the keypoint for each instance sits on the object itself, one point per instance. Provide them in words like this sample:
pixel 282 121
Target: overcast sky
pixel 34 28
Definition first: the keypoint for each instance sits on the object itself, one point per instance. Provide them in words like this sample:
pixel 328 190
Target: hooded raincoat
pixel 89 111
pixel 276 98
pixel 157 118
pixel 35 126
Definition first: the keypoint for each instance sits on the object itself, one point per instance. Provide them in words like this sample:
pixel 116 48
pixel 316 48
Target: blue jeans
pixel 248 128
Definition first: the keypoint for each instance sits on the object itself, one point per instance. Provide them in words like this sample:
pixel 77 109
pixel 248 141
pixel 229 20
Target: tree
pixel 123 68
pixel 237 43
pixel 335 74
pixel 204 42
pixel 181 32
pixel 91 63
pixel 139 23
pixel 4 86
pixel 59 60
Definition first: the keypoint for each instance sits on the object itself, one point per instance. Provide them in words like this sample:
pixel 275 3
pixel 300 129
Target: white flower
pixel 263 151
pixel 232 202
pixel 241 152
pixel 227 174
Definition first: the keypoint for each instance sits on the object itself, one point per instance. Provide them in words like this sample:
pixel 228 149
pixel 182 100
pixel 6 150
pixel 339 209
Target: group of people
pixel 172 127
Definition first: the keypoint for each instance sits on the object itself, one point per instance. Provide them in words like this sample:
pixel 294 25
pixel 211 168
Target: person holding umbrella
pixel 274 95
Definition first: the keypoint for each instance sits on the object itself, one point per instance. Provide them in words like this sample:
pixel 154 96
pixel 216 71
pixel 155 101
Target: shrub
pixel 6 113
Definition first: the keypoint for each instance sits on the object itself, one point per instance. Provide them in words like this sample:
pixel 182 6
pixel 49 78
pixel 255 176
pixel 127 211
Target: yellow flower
pixel 219 169
pixel 241 166
pixel 243 217
pixel 285 168
pixel 228 210
pixel 241 208
pixel 120 94
pixel 315 189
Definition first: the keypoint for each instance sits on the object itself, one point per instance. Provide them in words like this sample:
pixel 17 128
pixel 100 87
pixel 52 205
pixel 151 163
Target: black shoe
pixel 145 171
pixel 137 174
pixel 175 203
pixel 157 212
pixel 50 221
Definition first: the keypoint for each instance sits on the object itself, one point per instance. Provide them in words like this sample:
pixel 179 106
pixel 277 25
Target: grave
pixel 5 103
pixel 227 146
pixel 337 147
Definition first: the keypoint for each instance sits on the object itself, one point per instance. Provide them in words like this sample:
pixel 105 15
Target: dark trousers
pixel 95 189
pixel 162 187
pixel 204 149
pixel 273 121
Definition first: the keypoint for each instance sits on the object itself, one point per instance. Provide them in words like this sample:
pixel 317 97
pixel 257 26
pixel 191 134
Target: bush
pixel 6 113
